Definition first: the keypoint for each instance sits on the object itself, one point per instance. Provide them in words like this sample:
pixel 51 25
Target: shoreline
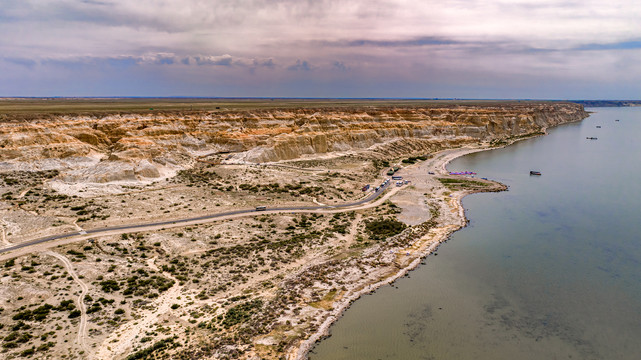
pixel 431 241
pixel 446 156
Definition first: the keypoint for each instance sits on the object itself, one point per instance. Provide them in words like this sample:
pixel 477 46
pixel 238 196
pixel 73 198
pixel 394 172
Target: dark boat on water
pixel 591 138
pixel 598 126
pixel 532 172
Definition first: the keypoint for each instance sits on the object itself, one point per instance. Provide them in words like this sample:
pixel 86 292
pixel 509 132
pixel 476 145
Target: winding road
pixel 87 233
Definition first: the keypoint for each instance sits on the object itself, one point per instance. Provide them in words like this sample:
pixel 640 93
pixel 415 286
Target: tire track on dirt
pixel 82 326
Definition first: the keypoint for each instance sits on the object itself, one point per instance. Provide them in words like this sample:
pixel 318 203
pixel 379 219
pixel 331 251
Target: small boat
pixel 591 138
pixel 598 126
pixel 616 120
pixel 533 172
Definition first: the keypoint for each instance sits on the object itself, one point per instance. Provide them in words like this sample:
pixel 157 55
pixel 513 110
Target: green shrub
pixel 241 313
pixel 109 285
pixel 384 228
pixel 148 352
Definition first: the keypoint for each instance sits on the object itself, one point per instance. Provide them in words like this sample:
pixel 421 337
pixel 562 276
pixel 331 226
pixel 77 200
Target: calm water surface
pixel 550 269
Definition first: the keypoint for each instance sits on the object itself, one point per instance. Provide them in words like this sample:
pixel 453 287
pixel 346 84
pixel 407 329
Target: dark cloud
pixel 303 65
pixel 268 63
pixel 224 60
pixel 339 65
pixel 166 60
pixel 29 63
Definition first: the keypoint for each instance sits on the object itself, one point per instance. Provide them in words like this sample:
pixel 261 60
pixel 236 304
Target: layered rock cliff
pixel 139 145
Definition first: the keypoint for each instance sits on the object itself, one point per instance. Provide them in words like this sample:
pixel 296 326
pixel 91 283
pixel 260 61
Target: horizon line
pixel 299 98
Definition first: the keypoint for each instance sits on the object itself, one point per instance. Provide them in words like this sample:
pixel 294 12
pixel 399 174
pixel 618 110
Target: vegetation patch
pixel 457 184
pixel 414 159
pixel 241 313
pixel 383 228
pixel 150 352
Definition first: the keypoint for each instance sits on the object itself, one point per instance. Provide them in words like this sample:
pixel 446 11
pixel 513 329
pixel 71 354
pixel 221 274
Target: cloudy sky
pixel 543 49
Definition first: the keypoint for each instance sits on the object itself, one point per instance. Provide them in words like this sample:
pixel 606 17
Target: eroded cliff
pixel 129 147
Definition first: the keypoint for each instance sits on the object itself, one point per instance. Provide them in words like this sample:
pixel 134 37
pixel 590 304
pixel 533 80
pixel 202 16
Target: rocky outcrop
pixel 148 141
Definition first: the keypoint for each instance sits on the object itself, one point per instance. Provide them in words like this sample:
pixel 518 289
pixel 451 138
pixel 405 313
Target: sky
pixel 491 49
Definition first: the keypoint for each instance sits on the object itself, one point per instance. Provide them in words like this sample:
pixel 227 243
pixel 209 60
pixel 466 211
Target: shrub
pixel 241 313
pixel 384 228
pixel 145 353
pixel 109 285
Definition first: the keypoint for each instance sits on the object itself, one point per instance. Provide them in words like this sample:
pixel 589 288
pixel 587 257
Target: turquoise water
pixel 550 269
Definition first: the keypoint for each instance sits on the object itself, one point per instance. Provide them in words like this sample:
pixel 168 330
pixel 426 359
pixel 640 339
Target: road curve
pixel 100 231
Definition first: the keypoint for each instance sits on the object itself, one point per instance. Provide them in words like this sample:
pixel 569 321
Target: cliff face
pixel 141 142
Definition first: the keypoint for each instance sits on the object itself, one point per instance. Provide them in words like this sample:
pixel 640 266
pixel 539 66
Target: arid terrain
pixel 258 285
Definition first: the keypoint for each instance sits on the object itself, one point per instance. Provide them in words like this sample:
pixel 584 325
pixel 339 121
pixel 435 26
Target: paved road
pixel 371 197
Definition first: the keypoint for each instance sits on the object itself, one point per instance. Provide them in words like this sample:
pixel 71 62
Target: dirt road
pixel 82 327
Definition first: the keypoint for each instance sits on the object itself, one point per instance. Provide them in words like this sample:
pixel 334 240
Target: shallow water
pixel 550 269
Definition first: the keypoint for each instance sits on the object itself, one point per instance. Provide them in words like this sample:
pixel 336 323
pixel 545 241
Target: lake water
pixel 550 269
